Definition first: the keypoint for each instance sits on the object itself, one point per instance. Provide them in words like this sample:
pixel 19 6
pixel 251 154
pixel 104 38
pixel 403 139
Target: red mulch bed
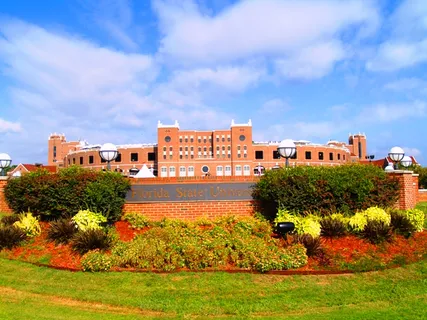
pixel 338 254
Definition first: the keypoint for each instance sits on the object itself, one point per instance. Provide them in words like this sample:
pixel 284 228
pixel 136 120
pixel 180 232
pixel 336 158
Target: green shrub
pixel 62 231
pixel 95 261
pixel 136 220
pixel 333 227
pixel 377 231
pixel 422 178
pixel 88 220
pixel 245 242
pixel 91 239
pixel 10 219
pixel 62 194
pixel 28 224
pixel 361 219
pixel 401 224
pixel 11 236
pixel 309 224
pixel 312 244
pixel 416 216
pixel 346 188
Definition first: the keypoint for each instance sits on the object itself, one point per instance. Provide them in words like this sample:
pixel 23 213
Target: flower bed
pixel 349 253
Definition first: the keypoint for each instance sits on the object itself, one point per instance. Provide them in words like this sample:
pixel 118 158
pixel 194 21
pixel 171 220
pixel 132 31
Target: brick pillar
pixel 3 205
pixel 408 192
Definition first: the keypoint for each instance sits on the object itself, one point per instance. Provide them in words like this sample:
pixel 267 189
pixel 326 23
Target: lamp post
pixel 286 149
pixel 396 154
pixel 406 161
pixel 108 152
pixel 5 162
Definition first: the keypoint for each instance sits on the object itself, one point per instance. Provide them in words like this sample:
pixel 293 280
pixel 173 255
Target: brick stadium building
pixel 187 153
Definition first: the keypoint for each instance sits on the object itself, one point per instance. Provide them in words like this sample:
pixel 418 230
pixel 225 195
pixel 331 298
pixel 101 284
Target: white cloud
pixel 8 126
pixel 414 152
pixel 303 36
pixel 275 106
pixel 406 45
pixel 407 84
pixel 395 55
pixel 392 112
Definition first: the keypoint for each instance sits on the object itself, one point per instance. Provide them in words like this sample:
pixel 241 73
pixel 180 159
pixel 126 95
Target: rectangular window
pixel 308 155
pixel 339 156
pixel 90 159
pixel 102 160
pixel 331 156
pixel 54 152
pixel 320 155
pixel 74 160
pixel 259 155
pixel 151 156
pixel 119 157
pixel 81 160
pixel 343 156
pixel 360 149
pixel 295 155
pixel 134 157
pixel 276 155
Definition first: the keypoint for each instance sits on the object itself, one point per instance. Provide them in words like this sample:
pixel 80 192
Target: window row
pixel 205 170
pixel 134 156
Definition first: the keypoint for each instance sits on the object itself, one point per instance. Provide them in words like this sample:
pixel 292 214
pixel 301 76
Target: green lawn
pixel 30 292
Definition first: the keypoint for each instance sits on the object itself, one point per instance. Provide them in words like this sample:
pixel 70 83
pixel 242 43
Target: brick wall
pixel 3 206
pixel 409 197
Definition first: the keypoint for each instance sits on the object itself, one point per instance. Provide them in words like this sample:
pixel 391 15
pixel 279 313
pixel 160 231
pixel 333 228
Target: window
pixel 182 171
pixel 205 169
pixel 259 155
pixel 320 155
pixel 90 159
pixel 191 171
pixel 164 172
pixel 246 170
pixel 339 156
pixel 359 144
pixel 119 157
pixel 54 152
pixel 81 160
pixel 168 139
pixel 295 155
pixel 164 149
pixel 134 157
pixel 242 137
pixel 308 155
pixel 186 139
pixel 276 155
pixel 228 170
pixel 171 171
pixel 164 157
pixel 180 139
pixel 102 160
pixel 191 139
pixel 151 156
pixel 238 170
pixel 331 156
pixel 343 156
pixel 219 171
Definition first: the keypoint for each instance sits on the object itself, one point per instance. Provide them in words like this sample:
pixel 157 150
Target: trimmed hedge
pixel 306 189
pixel 63 194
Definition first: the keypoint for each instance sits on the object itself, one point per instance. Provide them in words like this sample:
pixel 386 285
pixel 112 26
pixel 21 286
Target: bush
pixel 95 261
pixel 136 220
pixel 61 231
pixel 28 224
pixel 62 194
pixel 88 220
pixel 401 224
pixel 11 236
pixel 10 219
pixel 309 224
pixel 361 219
pixel 245 243
pixel 312 244
pixel 416 216
pixel 91 239
pixel 346 188
pixel 332 227
pixel 422 178
pixel 377 231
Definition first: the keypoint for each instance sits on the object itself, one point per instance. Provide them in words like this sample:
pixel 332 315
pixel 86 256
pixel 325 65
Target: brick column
pixel 3 205
pixel 408 192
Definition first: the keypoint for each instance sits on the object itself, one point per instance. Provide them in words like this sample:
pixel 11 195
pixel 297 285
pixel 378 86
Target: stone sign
pixel 141 193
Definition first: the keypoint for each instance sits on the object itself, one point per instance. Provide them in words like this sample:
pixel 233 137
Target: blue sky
pixel 108 70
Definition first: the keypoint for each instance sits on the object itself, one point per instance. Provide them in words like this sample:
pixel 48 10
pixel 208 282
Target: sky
pixel 109 70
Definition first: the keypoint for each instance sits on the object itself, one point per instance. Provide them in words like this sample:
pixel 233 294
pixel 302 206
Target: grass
pixel 399 293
